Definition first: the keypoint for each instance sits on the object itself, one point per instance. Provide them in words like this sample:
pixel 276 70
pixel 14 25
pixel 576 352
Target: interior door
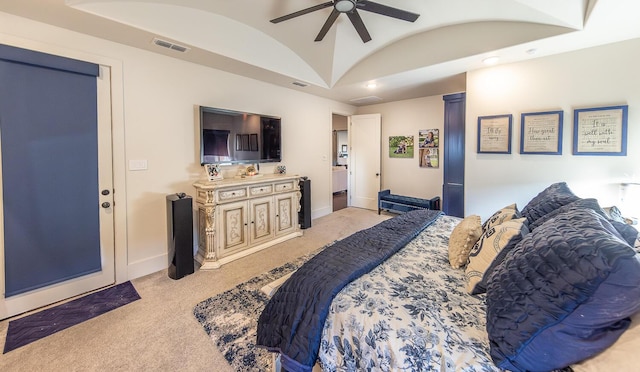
pixel 364 160
pixel 454 132
pixel 56 209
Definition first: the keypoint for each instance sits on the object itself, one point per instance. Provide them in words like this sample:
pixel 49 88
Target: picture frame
pixel 428 138
pixel 401 147
pixel 253 142
pixel 494 134
pixel 541 132
pixel 213 172
pixel 429 157
pixel 600 131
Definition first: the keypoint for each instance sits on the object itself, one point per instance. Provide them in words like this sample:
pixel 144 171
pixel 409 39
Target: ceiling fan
pixel 350 7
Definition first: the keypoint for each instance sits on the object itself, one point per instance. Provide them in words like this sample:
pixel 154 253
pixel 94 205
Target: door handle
pixel 106 205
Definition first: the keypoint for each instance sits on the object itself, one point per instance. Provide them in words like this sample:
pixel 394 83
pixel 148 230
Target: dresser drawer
pixel 261 190
pixel 232 194
pixel 285 186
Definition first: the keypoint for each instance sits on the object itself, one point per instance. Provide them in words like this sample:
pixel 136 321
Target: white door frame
pixel 110 108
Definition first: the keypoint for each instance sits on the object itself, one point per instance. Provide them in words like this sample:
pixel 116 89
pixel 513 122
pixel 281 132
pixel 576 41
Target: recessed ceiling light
pixel 491 60
pixel 372 85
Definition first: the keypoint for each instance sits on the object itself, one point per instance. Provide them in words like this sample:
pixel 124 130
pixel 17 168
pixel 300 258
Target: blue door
pixel 51 189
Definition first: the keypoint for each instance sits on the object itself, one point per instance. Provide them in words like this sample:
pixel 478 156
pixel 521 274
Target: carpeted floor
pixel 231 319
pixel 159 332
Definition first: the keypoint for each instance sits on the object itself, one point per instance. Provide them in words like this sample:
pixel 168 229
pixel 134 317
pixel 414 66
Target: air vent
pixel 300 84
pixel 170 45
pixel 366 100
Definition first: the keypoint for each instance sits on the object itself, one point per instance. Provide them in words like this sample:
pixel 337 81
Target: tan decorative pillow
pixel 487 248
pixel 505 214
pixel 462 238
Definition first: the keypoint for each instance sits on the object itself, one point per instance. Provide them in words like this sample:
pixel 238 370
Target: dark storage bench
pixel 400 204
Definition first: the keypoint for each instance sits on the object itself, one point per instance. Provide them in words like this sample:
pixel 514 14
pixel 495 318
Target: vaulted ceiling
pixel 405 59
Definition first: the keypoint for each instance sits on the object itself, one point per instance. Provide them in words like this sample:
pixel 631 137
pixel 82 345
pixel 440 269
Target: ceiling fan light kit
pixel 350 7
pixel 344 6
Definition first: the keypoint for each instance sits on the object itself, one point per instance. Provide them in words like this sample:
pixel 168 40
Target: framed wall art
pixel 600 131
pixel 541 133
pixel 494 134
pixel 429 157
pixel 428 138
pixel 401 147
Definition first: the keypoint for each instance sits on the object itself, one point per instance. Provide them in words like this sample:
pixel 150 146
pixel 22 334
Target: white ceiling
pixel 405 60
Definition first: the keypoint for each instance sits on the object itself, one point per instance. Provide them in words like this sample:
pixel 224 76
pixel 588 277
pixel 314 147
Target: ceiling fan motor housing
pixel 344 6
pixel 350 8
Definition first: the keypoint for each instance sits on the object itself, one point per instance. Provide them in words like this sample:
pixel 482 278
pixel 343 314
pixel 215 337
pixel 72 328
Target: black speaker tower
pixel 180 235
pixel 304 216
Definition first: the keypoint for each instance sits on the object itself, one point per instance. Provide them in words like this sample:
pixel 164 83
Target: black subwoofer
pixel 180 235
pixel 304 216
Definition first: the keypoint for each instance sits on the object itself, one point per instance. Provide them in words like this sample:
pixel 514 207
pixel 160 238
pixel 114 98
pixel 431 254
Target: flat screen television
pixel 232 137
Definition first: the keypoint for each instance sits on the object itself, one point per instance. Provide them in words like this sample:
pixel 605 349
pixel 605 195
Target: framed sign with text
pixel 541 133
pixel 494 134
pixel 600 131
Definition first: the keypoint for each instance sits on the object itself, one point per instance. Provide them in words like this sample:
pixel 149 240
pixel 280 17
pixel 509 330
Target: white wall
pixel 158 95
pixel 404 118
pixel 602 76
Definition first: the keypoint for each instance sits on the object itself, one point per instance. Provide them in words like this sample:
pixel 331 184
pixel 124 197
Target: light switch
pixel 137 165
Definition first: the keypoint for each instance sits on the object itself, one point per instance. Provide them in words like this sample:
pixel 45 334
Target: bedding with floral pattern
pixel 411 313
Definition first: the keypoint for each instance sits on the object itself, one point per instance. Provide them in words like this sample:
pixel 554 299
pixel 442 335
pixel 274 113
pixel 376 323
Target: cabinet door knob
pixel 106 205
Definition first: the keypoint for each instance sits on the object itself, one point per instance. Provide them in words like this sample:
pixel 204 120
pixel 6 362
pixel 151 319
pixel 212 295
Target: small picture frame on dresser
pixel 213 172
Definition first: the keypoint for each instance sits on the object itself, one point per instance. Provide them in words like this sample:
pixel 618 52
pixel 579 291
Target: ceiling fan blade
pixel 359 25
pixel 372 7
pixel 327 25
pixel 302 12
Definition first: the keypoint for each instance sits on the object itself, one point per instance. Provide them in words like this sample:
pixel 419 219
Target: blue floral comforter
pixel 411 313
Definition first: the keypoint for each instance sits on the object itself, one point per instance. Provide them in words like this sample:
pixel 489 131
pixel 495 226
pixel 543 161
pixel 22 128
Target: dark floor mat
pixel 33 327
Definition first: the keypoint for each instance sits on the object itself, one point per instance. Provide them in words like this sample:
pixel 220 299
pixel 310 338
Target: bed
pixel 448 294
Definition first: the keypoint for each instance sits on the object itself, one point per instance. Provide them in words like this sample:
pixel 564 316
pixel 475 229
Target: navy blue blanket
pixel 292 321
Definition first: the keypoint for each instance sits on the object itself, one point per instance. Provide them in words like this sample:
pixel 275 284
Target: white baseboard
pixel 317 213
pixel 147 266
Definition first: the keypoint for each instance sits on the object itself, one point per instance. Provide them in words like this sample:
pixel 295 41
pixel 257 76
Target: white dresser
pixel 238 217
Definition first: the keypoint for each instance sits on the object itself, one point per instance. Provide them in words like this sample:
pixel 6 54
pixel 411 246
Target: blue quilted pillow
pixel 547 201
pixel 579 203
pixel 563 294
pixel 628 232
